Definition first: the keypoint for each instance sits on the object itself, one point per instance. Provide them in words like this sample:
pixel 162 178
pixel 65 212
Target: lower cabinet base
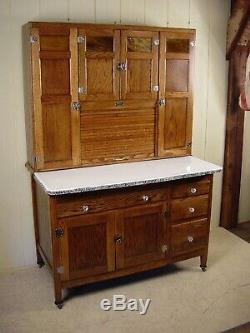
pixel 59 286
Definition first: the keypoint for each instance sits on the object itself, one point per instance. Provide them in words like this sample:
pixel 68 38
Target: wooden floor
pixel 242 230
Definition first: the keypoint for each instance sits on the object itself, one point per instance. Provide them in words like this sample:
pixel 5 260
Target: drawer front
pixel 96 202
pixel 189 207
pixel 190 188
pixel 189 236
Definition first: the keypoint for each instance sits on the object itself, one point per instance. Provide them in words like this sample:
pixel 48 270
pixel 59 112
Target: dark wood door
pixel 56 125
pixel 175 111
pixel 88 245
pixel 99 53
pixel 139 54
pixel 143 235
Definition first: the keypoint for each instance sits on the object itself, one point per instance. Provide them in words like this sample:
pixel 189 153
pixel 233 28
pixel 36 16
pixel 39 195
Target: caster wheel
pixel 59 305
pixel 203 268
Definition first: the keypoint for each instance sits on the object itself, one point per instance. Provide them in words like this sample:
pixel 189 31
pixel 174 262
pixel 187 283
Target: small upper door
pixel 141 235
pixel 139 60
pixel 87 245
pixel 175 107
pixel 99 52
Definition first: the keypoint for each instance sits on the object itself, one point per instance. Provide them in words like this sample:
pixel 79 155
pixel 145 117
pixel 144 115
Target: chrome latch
pixel 156 88
pixel 156 42
pixel 162 101
pixel 33 39
pixel 193 43
pixel 76 106
pixel 189 144
pixel 82 90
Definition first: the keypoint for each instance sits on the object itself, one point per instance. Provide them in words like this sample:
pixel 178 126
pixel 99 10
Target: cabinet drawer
pixel 96 201
pixel 189 207
pixel 190 188
pixel 189 236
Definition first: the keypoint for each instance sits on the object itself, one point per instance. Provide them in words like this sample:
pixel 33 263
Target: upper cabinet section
pixel 103 94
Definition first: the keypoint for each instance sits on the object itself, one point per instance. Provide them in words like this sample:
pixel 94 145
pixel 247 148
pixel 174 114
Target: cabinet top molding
pixel 65 25
pixel 123 175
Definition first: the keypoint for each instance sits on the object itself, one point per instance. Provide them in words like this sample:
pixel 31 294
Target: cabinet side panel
pixel 27 84
pixel 44 223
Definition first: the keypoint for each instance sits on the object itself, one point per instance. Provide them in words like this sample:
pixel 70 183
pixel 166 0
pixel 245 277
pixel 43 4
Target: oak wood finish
pixel 122 232
pixel 118 118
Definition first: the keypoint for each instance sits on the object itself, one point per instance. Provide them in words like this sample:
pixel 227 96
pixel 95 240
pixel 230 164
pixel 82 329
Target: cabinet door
pixel 56 124
pixel 99 52
pixel 139 54
pixel 88 245
pixel 142 235
pixel 175 113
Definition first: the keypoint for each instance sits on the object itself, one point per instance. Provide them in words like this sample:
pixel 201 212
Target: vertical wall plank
pixel 108 11
pixel 4 8
pixel 179 13
pixel 132 12
pixel 28 11
pixel 156 13
pixel 82 10
pixel 217 95
pixel 53 10
pixel 199 20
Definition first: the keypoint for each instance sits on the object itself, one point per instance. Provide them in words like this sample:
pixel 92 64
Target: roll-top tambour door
pixel 175 103
pixel 98 52
pixel 56 125
pixel 139 64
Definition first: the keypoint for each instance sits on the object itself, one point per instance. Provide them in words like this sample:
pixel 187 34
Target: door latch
pixel 162 101
pixel 59 232
pixel 121 66
pixel 76 106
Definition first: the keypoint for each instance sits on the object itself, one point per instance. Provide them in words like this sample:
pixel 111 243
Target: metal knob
pixel 193 190
pixel 85 208
pixel 191 210
pixel 190 239
pixel 145 198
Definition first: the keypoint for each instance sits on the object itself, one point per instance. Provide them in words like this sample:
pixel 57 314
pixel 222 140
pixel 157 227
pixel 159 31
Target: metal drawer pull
pixel 85 208
pixel 118 239
pixel 145 197
pixel 119 103
pixel 190 239
pixel 193 190
pixel 191 209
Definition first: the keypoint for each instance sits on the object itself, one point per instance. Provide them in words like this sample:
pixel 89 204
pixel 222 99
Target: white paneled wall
pixel 208 17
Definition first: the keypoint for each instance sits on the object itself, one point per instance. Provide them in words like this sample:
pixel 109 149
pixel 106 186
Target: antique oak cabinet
pixel 96 96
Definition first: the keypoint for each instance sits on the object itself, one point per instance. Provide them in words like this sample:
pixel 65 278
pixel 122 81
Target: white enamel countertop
pixel 123 175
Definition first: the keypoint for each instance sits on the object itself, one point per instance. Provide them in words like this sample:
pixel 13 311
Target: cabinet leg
pixel 203 261
pixel 58 295
pixel 39 260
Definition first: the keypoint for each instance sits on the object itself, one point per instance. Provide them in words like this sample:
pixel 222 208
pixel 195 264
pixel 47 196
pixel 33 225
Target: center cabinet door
pixel 142 234
pixel 87 245
pixel 99 54
pixel 139 57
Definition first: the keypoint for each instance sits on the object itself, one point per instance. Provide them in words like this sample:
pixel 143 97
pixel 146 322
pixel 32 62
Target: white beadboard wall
pixel 208 17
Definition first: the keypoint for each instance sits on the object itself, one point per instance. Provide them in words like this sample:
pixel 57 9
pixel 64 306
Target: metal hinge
pixel 165 214
pixel 59 232
pixel 33 39
pixel 82 90
pixel 162 101
pixel 60 269
pixel 80 39
pixel 193 43
pixel 36 159
pixel 156 88
pixel 156 42
pixel 76 106
pixel 189 144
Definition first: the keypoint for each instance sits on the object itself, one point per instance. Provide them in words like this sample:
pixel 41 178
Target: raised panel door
pixel 139 55
pixel 175 109
pixel 143 235
pixel 99 52
pixel 87 245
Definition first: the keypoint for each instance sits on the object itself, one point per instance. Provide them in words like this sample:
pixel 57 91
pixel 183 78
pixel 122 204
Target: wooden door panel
pixel 88 245
pixel 176 70
pixel 143 232
pixel 139 53
pixel 99 54
pixel 57 125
